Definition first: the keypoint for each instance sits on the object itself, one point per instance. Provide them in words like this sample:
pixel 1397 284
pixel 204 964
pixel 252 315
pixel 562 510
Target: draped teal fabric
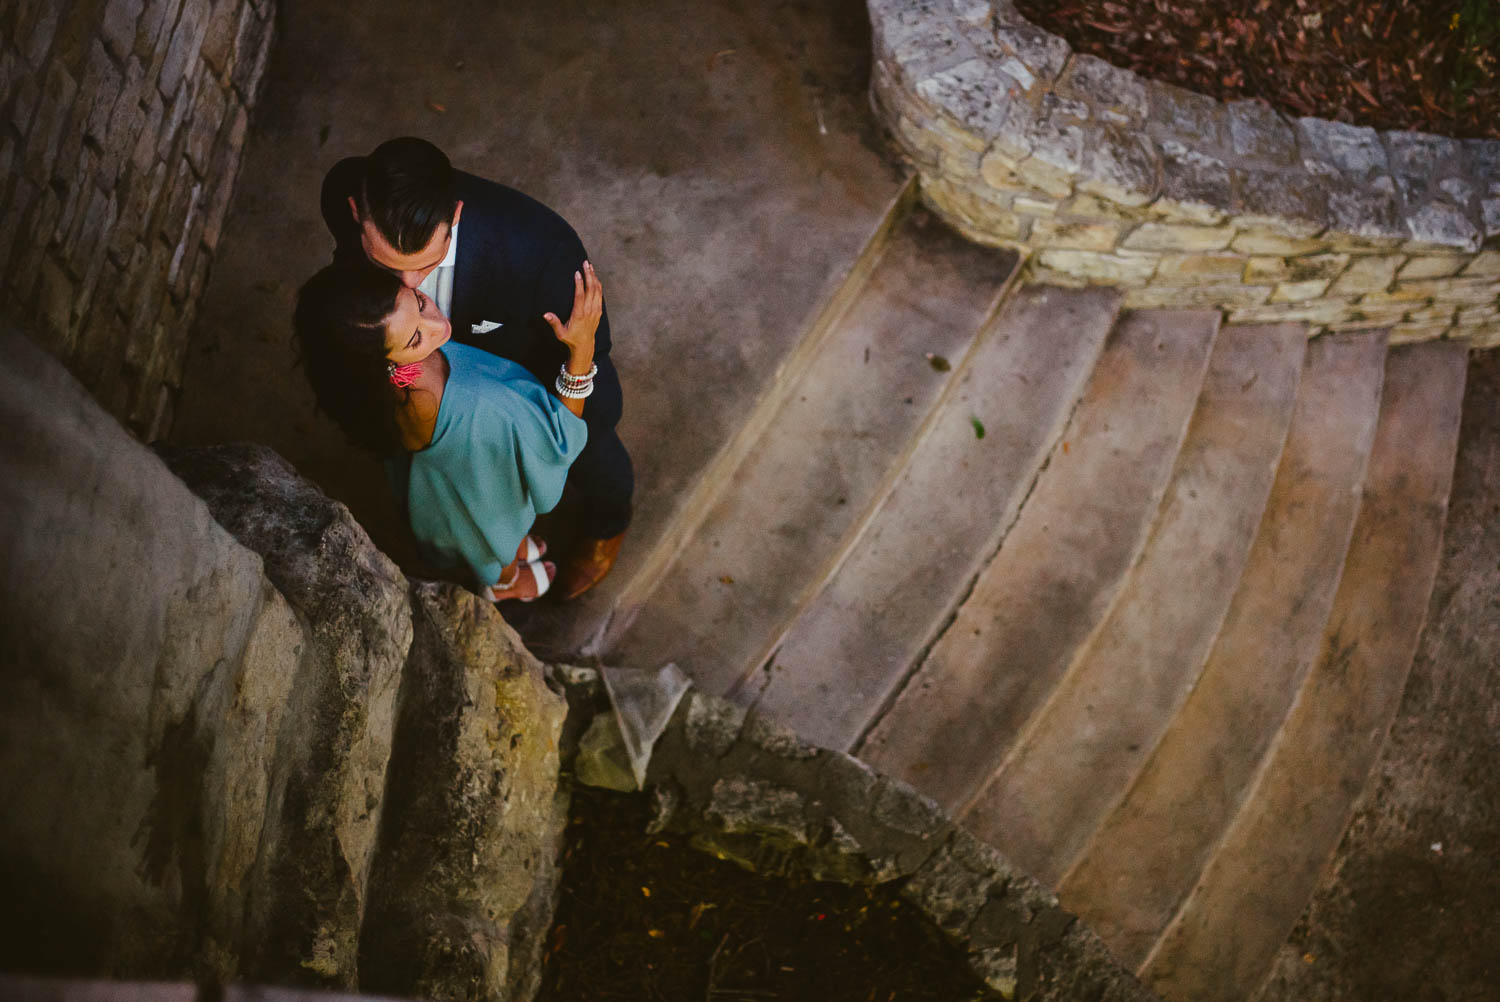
pixel 499 456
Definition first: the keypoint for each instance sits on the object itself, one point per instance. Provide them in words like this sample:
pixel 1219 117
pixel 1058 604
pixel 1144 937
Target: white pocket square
pixel 484 326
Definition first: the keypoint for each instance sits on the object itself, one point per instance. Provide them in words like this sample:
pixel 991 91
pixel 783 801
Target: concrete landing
pixel 719 161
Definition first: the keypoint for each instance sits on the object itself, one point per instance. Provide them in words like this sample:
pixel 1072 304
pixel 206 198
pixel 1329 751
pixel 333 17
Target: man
pixel 498 263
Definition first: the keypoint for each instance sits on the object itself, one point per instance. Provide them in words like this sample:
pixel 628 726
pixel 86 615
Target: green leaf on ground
pixel 978 427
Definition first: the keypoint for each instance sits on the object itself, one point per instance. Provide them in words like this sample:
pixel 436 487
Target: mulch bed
pixel 1426 65
pixel 646 917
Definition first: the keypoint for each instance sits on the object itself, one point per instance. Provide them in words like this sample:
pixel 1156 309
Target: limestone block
pixel 739 805
pixel 117 27
pixel 329 775
pixel 1417 160
pixel 1296 269
pixel 976 96
pixel 1485 264
pixel 1119 166
pixel 969 209
pixel 1260 241
pixel 1056 155
pixel 472 814
pixel 1092 266
pixel 1222 295
pixel 1480 337
pixel 1042 52
pixel 1490 210
pixel 1431 314
pixel 1410 297
pixel 1438 225
pixel 1056 233
pixel 1179 237
pixel 1292 203
pixel 1477 314
pixel 1195 187
pixel 1314 312
pixel 1433 266
pixel 1353 150
pixel 1367 273
pixel 1103 86
pixel 1296 292
pixel 182 49
pixel 141 710
pixel 46 133
pixel 1188 117
pixel 1468 291
pixel 1184 269
pixel 1257 132
pixel 1411 333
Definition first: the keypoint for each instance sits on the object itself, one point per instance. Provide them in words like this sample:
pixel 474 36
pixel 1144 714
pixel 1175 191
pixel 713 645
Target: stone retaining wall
pixel 121 128
pixel 747 789
pixel 1109 178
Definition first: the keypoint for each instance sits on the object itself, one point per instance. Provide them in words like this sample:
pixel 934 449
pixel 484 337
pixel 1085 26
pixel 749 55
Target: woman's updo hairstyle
pixel 339 324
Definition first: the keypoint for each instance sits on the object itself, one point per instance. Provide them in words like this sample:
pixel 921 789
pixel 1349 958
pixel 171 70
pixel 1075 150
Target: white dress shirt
pixel 438 285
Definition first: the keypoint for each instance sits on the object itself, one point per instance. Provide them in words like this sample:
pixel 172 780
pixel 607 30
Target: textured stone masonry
pixel 747 789
pixel 121 128
pixel 1108 178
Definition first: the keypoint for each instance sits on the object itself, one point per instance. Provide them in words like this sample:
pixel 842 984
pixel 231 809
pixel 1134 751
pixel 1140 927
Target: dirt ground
pixel 1411 907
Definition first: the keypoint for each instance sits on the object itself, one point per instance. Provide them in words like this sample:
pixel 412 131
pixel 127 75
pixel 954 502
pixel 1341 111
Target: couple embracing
pixel 460 333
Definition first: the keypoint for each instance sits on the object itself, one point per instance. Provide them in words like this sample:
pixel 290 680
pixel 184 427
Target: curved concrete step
pixel 1059 567
pixel 1220 944
pixel 830 451
pixel 944 518
pixel 1143 860
pixel 1120 694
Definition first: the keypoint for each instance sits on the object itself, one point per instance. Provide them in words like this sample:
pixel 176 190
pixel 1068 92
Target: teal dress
pixel 499 456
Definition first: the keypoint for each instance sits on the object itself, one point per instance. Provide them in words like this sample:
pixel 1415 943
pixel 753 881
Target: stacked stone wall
pixel 121 128
pixel 1107 178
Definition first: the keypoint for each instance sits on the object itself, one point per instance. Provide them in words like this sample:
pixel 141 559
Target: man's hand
pixel 583 322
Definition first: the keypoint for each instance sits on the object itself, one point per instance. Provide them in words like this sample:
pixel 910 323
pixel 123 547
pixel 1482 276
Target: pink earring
pixel 404 375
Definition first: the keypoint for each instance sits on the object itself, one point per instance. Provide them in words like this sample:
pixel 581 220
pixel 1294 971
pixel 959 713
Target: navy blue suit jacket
pixel 516 260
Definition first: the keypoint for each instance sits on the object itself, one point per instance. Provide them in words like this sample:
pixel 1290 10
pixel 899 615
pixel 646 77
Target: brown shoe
pixel 591 560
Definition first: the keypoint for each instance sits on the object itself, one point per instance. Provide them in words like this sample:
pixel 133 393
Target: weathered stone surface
pixel 1093 266
pixel 139 735
pixel 1195 187
pixel 1043 53
pixel 1191 118
pixel 712 726
pixel 1367 273
pixel 1175 237
pixel 1439 225
pixel 1119 166
pixel 1103 86
pixel 1417 161
pixel 1289 202
pixel 1258 132
pixel 1432 266
pixel 1352 149
pixel 330 774
pixel 1485 264
pixel 1188 269
pixel 472 817
pixel 1063 234
pixel 1224 295
pixel 750 806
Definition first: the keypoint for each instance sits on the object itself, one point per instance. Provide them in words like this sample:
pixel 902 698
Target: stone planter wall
pixel 1106 177
pixel 749 790
pixel 121 128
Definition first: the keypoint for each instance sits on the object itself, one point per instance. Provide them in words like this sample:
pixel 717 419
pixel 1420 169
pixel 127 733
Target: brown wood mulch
pixel 647 918
pixel 1426 65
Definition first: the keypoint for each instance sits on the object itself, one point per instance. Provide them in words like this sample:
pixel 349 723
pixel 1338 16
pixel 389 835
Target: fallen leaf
pixel 725 579
pixel 713 59
pixel 436 106
pixel 978 427
pixel 656 934
pixel 938 363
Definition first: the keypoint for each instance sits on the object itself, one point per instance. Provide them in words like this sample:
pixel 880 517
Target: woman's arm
pixel 578 333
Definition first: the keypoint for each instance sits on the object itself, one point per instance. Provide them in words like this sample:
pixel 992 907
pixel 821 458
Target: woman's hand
pixel 583 322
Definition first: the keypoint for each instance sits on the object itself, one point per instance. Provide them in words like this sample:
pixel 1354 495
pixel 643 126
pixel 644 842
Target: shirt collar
pixel 451 258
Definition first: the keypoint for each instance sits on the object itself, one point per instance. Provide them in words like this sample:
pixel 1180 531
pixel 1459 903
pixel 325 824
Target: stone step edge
pixel 942 624
pixel 748 790
pixel 888 482
pixel 1080 653
pixel 700 499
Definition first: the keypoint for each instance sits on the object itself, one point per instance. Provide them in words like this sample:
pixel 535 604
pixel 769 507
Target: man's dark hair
pixel 408 191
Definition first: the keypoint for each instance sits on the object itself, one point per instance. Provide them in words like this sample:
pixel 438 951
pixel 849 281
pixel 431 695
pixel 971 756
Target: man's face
pixel 410 268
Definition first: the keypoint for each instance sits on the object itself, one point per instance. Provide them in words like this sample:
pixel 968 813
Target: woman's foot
pixel 533 548
pixel 524 580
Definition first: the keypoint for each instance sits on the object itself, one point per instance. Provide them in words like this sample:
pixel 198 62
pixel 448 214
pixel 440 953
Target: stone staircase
pixel 1133 594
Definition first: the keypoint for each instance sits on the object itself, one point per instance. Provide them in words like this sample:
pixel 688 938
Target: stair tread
pixel 943 518
pixel 1142 861
pixel 1124 685
pixel 820 464
pixel 1259 880
pixel 1059 566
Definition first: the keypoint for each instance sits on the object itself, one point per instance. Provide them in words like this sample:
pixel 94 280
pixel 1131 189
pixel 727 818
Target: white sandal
pixel 538 574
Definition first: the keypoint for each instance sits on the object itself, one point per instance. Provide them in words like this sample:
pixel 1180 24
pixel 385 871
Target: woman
pixel 476 446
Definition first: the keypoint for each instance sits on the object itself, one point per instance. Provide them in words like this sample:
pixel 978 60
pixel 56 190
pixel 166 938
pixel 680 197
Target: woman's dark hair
pixel 340 327
pixel 408 191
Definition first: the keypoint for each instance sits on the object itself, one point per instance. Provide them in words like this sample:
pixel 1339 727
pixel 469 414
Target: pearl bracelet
pixel 578 382
pixel 572 392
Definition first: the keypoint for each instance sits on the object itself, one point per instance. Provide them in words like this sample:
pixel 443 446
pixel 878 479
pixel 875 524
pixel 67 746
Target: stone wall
pixel 1106 177
pixel 236 743
pixel 121 128
pixel 747 789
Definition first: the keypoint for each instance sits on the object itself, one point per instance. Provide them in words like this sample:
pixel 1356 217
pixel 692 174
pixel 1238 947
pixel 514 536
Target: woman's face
pixel 415 328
